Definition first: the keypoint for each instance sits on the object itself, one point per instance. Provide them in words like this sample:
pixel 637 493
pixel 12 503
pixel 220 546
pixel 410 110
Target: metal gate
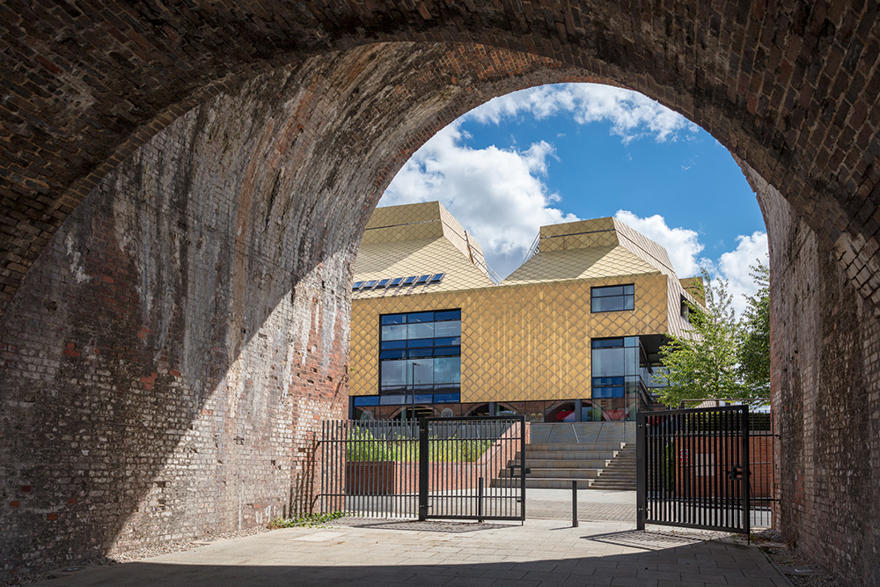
pixel 437 468
pixel 693 468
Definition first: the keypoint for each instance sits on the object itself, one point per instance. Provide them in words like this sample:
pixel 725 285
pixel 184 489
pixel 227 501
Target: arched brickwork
pixel 183 188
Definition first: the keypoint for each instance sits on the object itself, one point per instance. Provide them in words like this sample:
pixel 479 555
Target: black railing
pixel 694 469
pixel 449 468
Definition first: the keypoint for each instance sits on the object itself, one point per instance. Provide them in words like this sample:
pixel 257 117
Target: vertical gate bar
pixel 367 445
pixel 675 466
pixel 663 440
pixel 379 445
pixel 332 480
pixel 715 475
pixel 692 460
pixel 641 476
pixel 728 459
pixel 680 493
pixel 484 473
pixel 701 467
pixel 683 467
pixel 736 494
pixel 339 465
pixel 660 439
pixel 709 472
pixel 746 477
pixel 737 431
pixel 522 489
pixel 423 469
pixel 323 471
pixel 721 439
pixel 650 451
pixel 502 485
pixel 670 441
pixel 689 469
pixel 463 502
pixel 391 500
pixel 340 476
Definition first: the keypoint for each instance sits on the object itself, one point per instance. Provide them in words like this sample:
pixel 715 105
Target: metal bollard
pixel 574 504
pixel 480 502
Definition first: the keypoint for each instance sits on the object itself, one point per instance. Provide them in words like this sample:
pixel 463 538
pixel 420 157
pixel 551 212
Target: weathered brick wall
pixel 825 349
pixel 168 360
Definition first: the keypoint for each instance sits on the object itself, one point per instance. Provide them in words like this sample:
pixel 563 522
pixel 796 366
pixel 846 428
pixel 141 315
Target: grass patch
pixel 305 521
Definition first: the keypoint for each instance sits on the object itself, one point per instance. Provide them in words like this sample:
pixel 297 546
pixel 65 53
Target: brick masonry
pixel 177 181
pixel 825 356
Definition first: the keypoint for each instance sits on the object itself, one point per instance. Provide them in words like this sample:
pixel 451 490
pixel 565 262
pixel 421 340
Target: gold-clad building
pixel 572 334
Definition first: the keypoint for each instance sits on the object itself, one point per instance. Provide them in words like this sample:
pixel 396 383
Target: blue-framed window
pixel 614 365
pixel 612 298
pixel 420 352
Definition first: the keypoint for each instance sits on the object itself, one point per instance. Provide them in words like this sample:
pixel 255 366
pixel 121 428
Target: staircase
pixel 599 465
pixel 620 472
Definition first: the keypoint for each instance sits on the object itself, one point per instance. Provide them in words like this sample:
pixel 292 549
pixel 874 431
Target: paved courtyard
pixel 381 552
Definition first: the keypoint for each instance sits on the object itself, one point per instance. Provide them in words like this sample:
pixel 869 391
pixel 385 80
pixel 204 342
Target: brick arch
pixel 183 192
pixel 788 88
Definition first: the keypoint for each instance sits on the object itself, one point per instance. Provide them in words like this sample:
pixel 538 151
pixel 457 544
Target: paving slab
pixel 541 552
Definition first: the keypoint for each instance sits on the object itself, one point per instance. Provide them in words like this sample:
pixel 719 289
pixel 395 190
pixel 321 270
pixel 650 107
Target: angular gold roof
pixel 424 239
pixel 415 240
pixel 589 249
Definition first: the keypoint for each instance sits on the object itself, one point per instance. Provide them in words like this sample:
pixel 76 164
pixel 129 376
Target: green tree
pixel 754 347
pixel 720 357
pixel 702 364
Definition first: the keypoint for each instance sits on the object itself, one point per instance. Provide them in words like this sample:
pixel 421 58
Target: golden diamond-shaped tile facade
pixel 518 342
pixel 527 338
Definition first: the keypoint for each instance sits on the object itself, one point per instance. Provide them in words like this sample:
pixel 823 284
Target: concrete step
pixel 566 463
pixel 614 486
pixel 579 455
pixel 556 483
pixel 565 473
pixel 571 446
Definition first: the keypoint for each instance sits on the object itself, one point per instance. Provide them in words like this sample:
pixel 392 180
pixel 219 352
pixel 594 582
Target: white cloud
pixel 682 244
pixel 631 115
pixel 500 196
pixel 684 247
pixel 734 266
pixel 497 194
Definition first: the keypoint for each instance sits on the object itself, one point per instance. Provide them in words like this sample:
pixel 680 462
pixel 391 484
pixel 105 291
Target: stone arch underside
pixel 182 199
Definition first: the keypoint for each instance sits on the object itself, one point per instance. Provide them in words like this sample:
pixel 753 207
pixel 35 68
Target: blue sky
pixel 575 151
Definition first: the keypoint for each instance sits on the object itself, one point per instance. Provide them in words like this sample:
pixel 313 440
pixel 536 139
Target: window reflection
pixel 420 351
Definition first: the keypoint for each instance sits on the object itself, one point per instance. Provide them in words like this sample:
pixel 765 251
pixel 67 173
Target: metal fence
pixel 706 468
pixel 446 468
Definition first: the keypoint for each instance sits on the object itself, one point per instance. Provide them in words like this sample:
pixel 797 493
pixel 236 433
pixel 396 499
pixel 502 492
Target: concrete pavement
pixel 543 552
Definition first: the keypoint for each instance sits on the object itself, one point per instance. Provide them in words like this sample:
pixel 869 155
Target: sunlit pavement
pixel 377 552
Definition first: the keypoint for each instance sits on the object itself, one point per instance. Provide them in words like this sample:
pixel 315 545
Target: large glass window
pixel 420 352
pixel 612 298
pixel 615 361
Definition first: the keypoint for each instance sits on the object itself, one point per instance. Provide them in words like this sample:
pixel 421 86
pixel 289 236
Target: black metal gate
pixel 693 468
pixel 437 468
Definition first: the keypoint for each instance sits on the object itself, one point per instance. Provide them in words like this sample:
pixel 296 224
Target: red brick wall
pixel 825 357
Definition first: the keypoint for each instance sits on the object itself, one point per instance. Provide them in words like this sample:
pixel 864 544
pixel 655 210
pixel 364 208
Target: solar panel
pixel 382 283
pixel 370 284
pixel 395 282
pixel 409 280
pixel 437 278
pixel 357 285
pixel 422 279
